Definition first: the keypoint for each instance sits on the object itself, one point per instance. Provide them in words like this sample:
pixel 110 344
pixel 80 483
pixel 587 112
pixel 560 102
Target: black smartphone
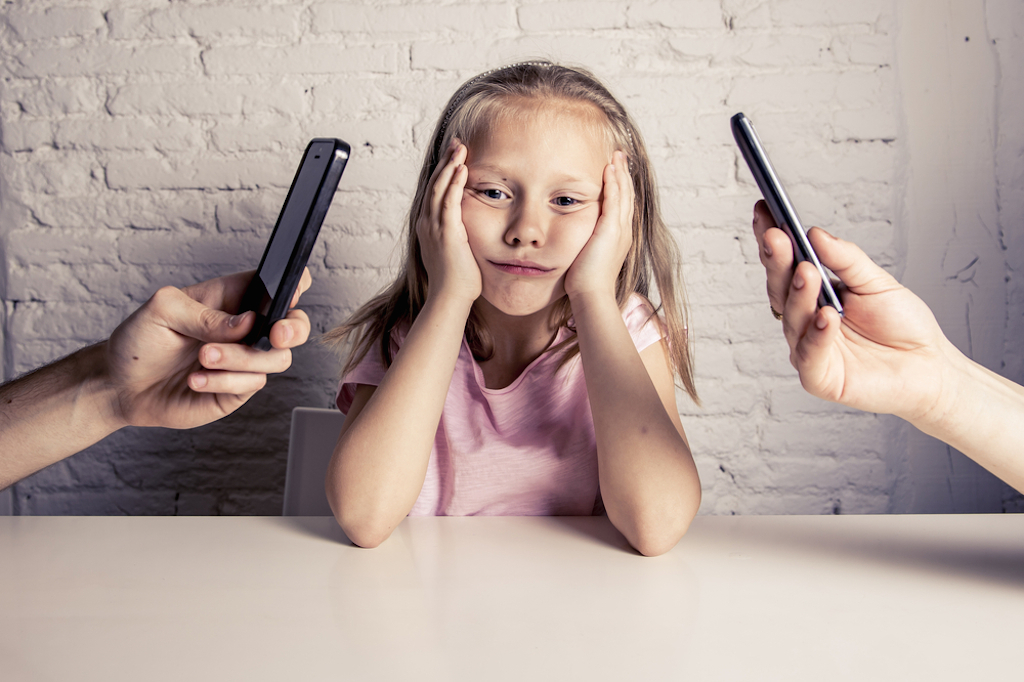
pixel 298 225
pixel 779 204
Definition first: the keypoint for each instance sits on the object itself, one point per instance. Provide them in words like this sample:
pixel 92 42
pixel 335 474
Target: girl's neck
pixel 516 342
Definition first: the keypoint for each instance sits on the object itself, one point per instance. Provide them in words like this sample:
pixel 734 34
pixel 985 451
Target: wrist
pixel 583 301
pixel 98 392
pixel 954 375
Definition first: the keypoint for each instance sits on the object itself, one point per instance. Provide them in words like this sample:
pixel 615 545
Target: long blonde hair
pixel 652 258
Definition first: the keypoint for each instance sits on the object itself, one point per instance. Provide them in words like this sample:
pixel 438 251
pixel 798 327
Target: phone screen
pixel 295 233
pixel 293 216
pixel 781 207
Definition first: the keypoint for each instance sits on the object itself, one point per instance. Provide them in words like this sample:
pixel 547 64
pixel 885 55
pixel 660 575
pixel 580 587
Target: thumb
pixel 852 266
pixel 181 313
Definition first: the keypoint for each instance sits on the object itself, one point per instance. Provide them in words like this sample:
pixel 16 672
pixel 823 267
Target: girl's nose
pixel 527 227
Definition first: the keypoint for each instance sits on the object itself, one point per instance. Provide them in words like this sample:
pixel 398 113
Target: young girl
pixel 516 365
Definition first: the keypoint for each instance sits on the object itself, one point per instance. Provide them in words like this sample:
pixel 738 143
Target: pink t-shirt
pixel 526 449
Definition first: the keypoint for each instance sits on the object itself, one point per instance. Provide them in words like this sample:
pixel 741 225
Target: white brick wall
pixel 147 143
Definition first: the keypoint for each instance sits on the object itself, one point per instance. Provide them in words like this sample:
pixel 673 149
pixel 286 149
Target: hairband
pixel 461 94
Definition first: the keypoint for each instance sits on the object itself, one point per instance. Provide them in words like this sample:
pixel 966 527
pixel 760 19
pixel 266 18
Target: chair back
pixel 314 434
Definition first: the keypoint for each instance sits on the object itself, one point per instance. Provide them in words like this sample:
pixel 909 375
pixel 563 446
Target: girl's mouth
pixel 521 267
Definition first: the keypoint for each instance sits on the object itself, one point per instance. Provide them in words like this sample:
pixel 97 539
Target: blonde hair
pixel 652 258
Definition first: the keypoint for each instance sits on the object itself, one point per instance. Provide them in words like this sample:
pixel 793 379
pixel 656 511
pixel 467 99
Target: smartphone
pixel 298 225
pixel 780 206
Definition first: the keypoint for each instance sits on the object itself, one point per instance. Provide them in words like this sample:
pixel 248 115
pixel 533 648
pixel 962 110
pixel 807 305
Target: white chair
pixel 314 434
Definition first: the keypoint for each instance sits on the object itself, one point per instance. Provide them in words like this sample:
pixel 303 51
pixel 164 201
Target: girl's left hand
pixel 596 268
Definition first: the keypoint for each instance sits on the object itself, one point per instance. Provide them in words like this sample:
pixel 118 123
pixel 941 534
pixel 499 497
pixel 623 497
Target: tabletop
pixel 540 598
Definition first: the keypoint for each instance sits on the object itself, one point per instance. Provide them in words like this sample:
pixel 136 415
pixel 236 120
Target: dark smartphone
pixel 309 197
pixel 779 204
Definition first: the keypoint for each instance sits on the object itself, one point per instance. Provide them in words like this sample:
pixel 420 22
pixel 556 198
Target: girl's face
pixel 532 199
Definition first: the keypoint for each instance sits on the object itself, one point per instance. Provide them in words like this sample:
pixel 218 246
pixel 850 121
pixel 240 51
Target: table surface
pixel 540 598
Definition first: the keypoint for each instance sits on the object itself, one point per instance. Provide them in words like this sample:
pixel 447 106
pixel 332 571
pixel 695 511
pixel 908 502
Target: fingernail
pixel 798 281
pixel 213 355
pixel 821 321
pixel 199 380
pixel 756 216
pixel 236 320
pixel 287 332
pixel 767 249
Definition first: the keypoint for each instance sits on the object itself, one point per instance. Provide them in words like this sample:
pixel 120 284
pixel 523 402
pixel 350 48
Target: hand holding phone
pixel 780 206
pixel 295 233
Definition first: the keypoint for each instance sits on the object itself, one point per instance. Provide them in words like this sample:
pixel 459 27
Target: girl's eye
pixel 565 201
pixel 495 194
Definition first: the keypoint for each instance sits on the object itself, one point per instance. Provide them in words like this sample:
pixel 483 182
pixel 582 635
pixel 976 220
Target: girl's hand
pixel 444 246
pixel 596 268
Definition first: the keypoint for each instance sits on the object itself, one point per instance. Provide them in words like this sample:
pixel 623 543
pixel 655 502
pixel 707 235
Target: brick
pixel 26 136
pixel 412 18
pixel 129 134
pixel 54 22
pixel 257 134
pixel 309 58
pixel 746 14
pixel 807 13
pixel 578 14
pixel 208 173
pixel 56 174
pixel 211 21
pixel 105 59
pixel 52 98
pixel 209 98
pixel 785 91
pixel 359 252
pixel 694 14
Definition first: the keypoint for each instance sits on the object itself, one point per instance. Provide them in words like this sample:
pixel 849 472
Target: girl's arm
pixel 380 461
pixel 648 480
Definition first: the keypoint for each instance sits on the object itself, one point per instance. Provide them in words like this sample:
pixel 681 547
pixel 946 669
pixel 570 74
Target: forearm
pixel 54 412
pixel 381 459
pixel 648 480
pixel 983 418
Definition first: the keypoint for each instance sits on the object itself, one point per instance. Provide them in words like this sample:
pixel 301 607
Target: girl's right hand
pixel 452 269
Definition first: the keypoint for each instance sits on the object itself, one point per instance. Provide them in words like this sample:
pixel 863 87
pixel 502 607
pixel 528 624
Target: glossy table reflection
pixel 740 598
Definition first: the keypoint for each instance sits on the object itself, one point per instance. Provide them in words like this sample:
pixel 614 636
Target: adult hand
pixel 886 354
pixel 596 268
pixel 444 244
pixel 177 361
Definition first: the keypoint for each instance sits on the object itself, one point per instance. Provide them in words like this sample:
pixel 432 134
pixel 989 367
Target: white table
pixel 740 598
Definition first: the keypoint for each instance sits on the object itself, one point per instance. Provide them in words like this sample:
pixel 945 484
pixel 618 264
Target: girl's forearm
pixel 648 479
pixel 381 458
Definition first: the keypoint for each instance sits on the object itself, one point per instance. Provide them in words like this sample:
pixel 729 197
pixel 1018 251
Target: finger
pixel 222 293
pixel 234 357
pixel 611 203
pixel 440 187
pixel 812 354
pixel 849 262
pixel 179 312
pixel 239 386
pixel 304 283
pixel 762 219
pixel 291 331
pixel 801 304
pixel 625 190
pixel 451 206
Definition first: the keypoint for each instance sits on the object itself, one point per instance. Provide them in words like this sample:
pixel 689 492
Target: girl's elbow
pixel 658 541
pixel 656 531
pixel 366 531
pixel 361 526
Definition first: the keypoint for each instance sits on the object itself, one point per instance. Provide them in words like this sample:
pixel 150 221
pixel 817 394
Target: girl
pixel 516 366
